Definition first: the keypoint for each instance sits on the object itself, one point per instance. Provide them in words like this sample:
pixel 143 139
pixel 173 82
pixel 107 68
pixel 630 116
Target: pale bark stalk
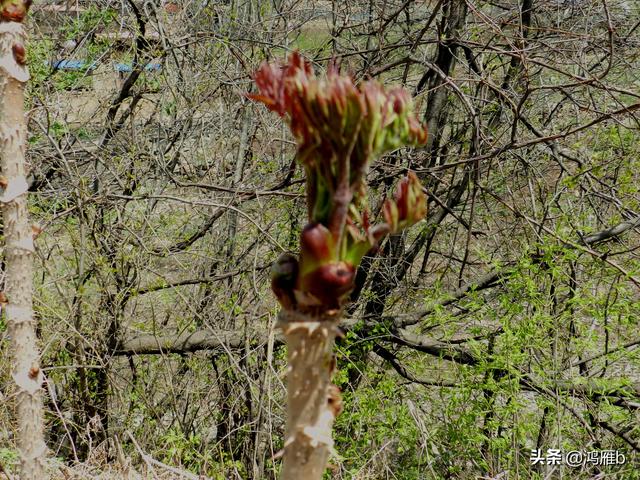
pixel 312 400
pixel 19 258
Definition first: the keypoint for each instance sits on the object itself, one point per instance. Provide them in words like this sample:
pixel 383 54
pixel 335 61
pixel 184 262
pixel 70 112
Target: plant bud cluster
pixel 340 128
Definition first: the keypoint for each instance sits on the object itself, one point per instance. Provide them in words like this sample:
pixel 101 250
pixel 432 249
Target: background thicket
pixel 506 321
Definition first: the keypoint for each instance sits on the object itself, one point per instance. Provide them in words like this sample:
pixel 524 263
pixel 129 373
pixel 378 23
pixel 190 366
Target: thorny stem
pixel 17 297
pixel 313 402
pixel 339 128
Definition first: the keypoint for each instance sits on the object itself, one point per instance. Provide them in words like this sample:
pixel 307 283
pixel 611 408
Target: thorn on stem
pixel 19 54
pixel 36 230
pixel 334 400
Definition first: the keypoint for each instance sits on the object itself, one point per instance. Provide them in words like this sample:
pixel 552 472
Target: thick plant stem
pixel 18 234
pixel 313 401
pixel 335 149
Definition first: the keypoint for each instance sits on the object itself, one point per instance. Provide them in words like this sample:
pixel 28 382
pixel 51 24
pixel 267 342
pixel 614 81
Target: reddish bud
pixel 14 10
pixel 276 83
pixel 270 81
pixel 330 283
pixel 316 244
pixel 412 202
pixel 19 53
pixel 390 212
pixel 409 205
pixel 399 98
pixel 337 277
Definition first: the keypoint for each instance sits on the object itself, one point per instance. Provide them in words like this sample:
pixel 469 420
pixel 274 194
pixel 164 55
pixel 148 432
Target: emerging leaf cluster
pixel 340 128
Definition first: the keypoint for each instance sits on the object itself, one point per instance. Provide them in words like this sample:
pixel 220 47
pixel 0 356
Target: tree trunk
pixel 313 402
pixel 19 253
pixel 453 19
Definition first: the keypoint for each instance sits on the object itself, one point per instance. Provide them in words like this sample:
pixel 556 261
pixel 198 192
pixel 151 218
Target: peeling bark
pixel 19 253
pixel 313 402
